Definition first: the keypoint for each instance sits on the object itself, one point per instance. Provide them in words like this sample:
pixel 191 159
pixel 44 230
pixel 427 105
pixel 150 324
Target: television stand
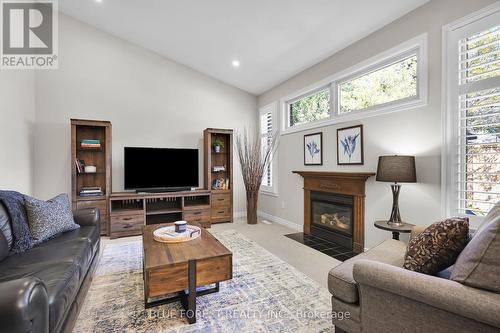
pixel 163 190
pixel 129 212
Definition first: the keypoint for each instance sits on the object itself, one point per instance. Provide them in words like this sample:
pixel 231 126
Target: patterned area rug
pixel 265 295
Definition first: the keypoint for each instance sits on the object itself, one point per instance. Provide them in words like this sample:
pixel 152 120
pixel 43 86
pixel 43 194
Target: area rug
pixel 265 295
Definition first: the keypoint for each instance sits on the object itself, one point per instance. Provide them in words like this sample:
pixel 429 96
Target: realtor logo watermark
pixel 29 34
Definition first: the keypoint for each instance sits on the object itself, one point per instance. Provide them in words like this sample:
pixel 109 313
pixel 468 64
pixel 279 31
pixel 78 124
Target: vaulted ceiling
pixel 271 39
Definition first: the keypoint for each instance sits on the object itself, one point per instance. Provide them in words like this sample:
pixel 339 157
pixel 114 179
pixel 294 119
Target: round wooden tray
pixel 168 234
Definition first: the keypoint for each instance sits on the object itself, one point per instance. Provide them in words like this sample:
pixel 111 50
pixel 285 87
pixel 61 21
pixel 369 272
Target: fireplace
pixel 332 217
pixel 334 206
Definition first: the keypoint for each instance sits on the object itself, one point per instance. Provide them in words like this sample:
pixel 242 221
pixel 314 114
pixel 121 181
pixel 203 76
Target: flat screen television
pixel 157 169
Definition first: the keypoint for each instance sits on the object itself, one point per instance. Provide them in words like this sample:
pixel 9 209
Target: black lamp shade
pixel 399 169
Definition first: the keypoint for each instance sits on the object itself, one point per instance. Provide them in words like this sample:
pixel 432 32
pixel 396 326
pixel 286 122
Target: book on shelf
pixel 91 141
pixel 90 145
pixel 80 166
pixel 219 168
pixel 97 194
pixel 90 191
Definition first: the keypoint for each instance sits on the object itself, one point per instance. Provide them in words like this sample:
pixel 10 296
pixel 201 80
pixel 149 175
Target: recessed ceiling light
pixel 99 1
pixel 235 63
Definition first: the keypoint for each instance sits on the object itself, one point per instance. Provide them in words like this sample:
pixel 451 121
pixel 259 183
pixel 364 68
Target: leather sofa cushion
pixel 5 227
pixel 341 282
pixel 79 246
pixel 63 283
pixel 61 263
pixel 61 278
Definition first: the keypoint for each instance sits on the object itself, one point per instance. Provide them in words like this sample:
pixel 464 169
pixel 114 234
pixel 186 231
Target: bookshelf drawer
pixel 221 200
pixel 199 215
pixel 220 214
pixel 101 204
pixel 126 223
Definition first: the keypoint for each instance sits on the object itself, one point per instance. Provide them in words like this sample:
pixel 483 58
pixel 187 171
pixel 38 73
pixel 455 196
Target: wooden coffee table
pixel 172 272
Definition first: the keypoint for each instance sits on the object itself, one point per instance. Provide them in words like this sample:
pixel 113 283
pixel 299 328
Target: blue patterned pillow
pixel 14 205
pixel 49 218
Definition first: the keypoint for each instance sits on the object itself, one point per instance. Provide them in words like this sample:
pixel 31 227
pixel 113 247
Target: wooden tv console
pixel 129 211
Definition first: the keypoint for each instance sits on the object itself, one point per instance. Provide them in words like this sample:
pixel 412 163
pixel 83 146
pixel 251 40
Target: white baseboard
pixel 281 221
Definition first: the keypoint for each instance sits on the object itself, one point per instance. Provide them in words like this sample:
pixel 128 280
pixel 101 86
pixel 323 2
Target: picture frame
pixel 313 149
pixel 350 150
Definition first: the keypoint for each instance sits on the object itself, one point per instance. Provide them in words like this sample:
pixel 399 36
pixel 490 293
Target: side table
pixel 395 228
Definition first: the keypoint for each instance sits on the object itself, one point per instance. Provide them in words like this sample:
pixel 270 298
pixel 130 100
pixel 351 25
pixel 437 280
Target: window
pixel 392 81
pixel 267 130
pixel 310 108
pixel 473 114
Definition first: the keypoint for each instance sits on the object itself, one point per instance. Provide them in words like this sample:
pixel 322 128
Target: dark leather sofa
pixel 42 290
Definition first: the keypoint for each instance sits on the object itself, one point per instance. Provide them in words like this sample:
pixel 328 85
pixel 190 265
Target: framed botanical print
pixel 350 145
pixel 313 149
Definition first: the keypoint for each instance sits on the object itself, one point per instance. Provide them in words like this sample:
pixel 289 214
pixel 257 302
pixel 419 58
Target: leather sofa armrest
pixel 87 216
pixel 476 304
pixel 24 306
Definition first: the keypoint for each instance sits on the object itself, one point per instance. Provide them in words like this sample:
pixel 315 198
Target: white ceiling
pixel 272 39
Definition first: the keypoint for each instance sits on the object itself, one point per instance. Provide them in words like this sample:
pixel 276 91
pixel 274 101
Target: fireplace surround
pixel 337 198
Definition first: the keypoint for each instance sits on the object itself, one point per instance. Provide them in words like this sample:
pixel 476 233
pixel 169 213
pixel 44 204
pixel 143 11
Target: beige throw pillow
pixel 479 263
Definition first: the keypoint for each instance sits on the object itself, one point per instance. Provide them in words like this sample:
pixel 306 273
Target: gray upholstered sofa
pixel 381 296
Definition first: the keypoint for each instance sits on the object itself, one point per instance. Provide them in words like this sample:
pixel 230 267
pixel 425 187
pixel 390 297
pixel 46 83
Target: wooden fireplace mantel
pixel 348 183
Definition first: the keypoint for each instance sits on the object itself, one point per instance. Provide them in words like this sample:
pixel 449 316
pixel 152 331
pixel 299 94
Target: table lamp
pixel 397 169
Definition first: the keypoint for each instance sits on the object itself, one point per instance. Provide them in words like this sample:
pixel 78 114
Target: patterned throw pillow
pixel 438 246
pixel 49 218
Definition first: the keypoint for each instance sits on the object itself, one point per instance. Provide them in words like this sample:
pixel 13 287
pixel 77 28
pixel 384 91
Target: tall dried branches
pixel 255 157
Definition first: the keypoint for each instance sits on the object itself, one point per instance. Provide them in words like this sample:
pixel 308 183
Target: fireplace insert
pixel 332 217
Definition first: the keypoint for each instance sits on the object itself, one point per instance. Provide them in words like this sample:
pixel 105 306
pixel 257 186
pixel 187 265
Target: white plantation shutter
pixel 268 127
pixel 475 100
pixel 266 130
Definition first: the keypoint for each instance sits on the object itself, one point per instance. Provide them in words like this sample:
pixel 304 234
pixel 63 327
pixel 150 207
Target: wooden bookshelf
pixel 221 196
pixel 100 158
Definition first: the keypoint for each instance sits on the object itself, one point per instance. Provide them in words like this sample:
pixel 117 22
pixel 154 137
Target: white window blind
pixel 266 135
pixel 478 122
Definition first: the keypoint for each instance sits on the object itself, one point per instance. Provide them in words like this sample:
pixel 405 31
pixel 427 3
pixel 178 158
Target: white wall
pixel 414 132
pixel 150 101
pixel 17 116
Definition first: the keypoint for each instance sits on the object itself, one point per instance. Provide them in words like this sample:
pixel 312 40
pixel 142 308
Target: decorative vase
pixel 252 200
pixel 217 149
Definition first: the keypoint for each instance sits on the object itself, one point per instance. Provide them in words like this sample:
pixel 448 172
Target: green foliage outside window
pixel 391 83
pixel 310 108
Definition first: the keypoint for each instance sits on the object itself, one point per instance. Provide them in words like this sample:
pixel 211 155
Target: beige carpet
pixel 265 295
